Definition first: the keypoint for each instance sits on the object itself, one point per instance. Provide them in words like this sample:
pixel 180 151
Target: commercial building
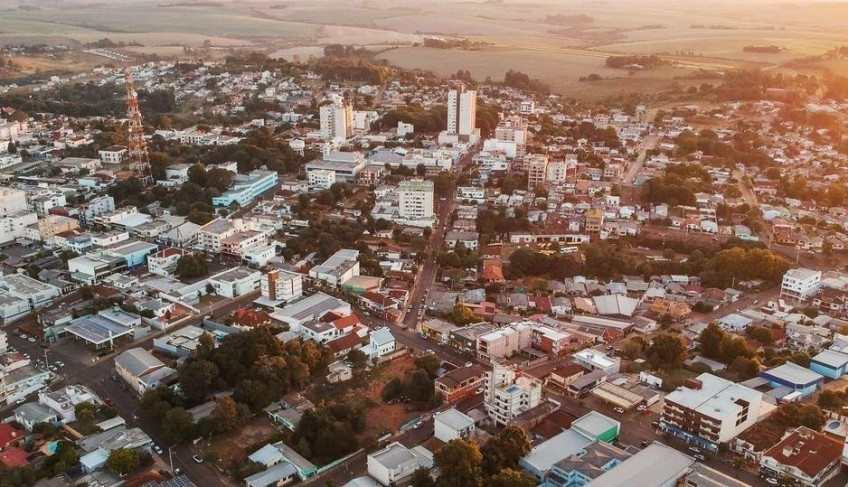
pixel 336 121
pixel 657 465
pixel 92 268
pixel 345 165
pixel 591 359
pixel 245 188
pixel 164 262
pixel 798 285
pixel 415 203
pixel 15 217
pixel 182 342
pixel 710 410
pixel 114 154
pixel 241 242
pixel 211 235
pixel 804 457
pixel 504 342
pixel 508 394
pixel 319 179
pixel 94 207
pixel 452 424
pixel 340 267
pixel 141 370
pixel 830 363
pixel 795 377
pixel 236 282
pixel 585 465
pixel 310 308
pixel 396 462
pixel 23 287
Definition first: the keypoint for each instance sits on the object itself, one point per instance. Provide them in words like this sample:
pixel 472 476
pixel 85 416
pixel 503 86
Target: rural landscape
pixel 562 43
pixel 375 243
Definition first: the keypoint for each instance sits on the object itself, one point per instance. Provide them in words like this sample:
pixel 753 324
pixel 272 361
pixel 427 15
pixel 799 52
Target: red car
pixel 109 401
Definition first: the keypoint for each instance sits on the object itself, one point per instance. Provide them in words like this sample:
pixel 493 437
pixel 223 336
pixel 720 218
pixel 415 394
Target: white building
pixel 114 154
pixel 245 188
pixel 63 401
pixel 336 270
pixel 710 410
pixel 508 394
pixel 336 121
pixel 462 117
pixel 415 202
pixel 142 370
pixel 395 462
pixel 591 359
pixel 243 241
pixel 94 207
pixel 800 284
pixel 259 256
pixel 236 282
pixel 452 424
pixel 319 179
pixel 44 203
pixel 211 235
pixel 381 342
pixel 19 294
pixel 15 217
pixel 164 262
pixel 280 286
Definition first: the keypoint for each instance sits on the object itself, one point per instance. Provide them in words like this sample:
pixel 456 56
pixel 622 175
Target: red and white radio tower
pixel 137 156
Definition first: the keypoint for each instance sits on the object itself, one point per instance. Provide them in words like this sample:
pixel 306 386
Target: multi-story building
pixel 345 165
pixel 709 411
pixel 504 342
pixel 50 225
pixel 508 394
pixel 164 263
pixel 336 270
pixel 537 170
pixel 462 111
pixel 211 235
pixel 460 383
pixel 321 179
pixel 243 241
pixel 336 121
pixel 63 402
pixel 12 201
pixel 43 203
pixel 800 284
pixel 557 172
pixel 236 282
pixel 804 457
pixel 94 207
pixel 415 202
pixel 245 188
pixel 594 220
pixel 13 226
pixel 114 154
pixel 280 286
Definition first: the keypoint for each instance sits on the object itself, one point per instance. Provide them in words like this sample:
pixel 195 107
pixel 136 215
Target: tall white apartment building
pixel 462 117
pixel 12 201
pixel 210 237
pixel 280 286
pixel 336 121
pixel 508 394
pixel 94 207
pixel 557 172
pixel 537 170
pixel 799 284
pixel 415 202
pixel 321 179
pixel 14 215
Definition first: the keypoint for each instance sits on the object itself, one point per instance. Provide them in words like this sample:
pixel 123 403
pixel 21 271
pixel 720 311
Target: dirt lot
pixel 230 448
pixel 385 416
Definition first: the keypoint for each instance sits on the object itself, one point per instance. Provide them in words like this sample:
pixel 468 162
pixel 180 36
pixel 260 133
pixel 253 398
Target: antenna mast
pixel 138 158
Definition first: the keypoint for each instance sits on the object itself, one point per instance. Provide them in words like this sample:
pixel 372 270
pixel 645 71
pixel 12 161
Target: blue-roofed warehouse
pixel 795 377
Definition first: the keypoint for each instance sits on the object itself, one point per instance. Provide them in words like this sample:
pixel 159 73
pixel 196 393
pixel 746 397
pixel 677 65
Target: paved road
pixel 650 142
pixel 427 272
pixel 79 370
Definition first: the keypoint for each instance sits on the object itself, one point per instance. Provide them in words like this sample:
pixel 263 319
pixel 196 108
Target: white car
pixel 31 340
pixel 619 410
pixel 157 449
pixel 24 336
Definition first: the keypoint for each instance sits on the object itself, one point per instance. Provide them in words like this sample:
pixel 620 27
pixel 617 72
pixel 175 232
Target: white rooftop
pixel 454 419
pixel 543 456
pixel 716 398
pixel 655 465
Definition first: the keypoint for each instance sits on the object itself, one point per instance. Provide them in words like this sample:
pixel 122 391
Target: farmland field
pixel 520 34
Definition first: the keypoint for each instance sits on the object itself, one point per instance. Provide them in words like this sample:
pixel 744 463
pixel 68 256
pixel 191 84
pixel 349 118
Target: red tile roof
pixel 343 343
pixel 14 457
pixel 9 434
pixel 808 450
pixel 346 321
pixel 493 270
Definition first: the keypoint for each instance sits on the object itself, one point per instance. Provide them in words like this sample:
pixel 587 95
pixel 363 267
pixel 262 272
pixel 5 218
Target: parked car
pixel 700 457
pixel 157 449
pixel 31 340
pixel 197 458
pixel 694 449
pixel 619 410
pixel 640 408
pixel 109 401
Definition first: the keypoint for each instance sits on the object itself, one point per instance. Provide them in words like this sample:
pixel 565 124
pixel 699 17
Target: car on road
pixel 52 368
pixel 197 459
pixel 59 364
pixel 109 401
pixel 694 450
pixel 31 340
pixel 644 443
pixel 619 410
pixel 771 481
pixel 157 449
pixel 640 408
pixel 404 327
pixel 24 336
pixel 429 352
pixel 700 457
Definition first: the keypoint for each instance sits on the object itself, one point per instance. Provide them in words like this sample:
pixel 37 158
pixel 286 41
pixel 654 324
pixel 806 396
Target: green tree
pixel 357 358
pixel 225 415
pixel 430 364
pixel 122 460
pixel 197 175
pixel 178 426
pixel 421 478
pixel 460 464
pixel 668 350
pixel 189 266
pixel 512 478
pixel 711 339
pixel 197 378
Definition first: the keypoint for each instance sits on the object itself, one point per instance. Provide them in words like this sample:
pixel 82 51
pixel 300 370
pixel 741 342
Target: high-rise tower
pixel 138 160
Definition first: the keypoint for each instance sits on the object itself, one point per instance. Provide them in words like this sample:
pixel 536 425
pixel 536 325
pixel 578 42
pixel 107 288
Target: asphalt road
pixel 633 169
pixel 80 370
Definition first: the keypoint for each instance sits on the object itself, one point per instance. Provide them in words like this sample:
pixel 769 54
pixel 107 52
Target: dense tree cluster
pixel 738 264
pixel 329 431
pixel 425 120
pixel 667 351
pixel 678 186
pixel 525 262
pixel 646 62
pixel 523 82
pixel 462 463
pixel 417 385
pixel 189 266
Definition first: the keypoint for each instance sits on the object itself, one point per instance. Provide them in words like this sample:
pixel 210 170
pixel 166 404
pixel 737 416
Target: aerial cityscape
pixel 467 244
